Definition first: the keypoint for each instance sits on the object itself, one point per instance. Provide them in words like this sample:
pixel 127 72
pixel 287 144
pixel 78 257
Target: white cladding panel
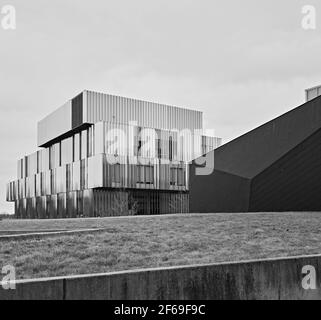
pixel 313 93
pixel 54 125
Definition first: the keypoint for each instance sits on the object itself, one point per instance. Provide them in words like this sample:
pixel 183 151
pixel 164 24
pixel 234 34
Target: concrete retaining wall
pixel 262 279
pixel 48 234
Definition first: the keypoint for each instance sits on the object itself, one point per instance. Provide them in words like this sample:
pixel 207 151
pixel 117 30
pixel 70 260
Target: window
pixel 43 183
pixel 139 147
pixel 170 149
pixel 158 148
pixel 140 174
pixel 149 174
pixel 177 177
pixel 90 142
pixel 182 144
pixel 173 179
pixel 145 174
pixel 116 178
pixel 181 177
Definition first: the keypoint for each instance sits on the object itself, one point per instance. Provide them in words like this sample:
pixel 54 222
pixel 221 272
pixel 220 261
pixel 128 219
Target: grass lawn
pixel 141 242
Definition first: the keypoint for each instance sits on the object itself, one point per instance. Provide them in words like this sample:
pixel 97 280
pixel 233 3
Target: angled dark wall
pixel 219 192
pixel 275 167
pixel 293 183
pixel 253 152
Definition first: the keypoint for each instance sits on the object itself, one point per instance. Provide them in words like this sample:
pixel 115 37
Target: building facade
pixel 104 155
pixel 273 168
pixel 312 93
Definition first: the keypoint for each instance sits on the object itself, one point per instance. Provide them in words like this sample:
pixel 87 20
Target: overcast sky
pixel 240 62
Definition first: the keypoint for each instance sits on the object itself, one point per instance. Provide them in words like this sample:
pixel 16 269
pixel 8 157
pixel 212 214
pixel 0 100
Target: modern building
pixel 312 93
pixel 104 155
pixel 275 167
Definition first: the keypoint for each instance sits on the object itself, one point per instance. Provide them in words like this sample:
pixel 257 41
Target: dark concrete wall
pixel 218 192
pixel 77 111
pixel 270 279
pixel 293 183
pixel 251 153
pixel 45 289
pixel 275 167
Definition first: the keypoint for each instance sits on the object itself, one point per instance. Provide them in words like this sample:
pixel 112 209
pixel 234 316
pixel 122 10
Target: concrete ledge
pixel 15 232
pixel 27 236
pixel 42 289
pixel 273 279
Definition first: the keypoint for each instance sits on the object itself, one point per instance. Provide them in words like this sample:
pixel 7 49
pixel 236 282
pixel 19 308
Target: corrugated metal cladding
pixel 313 93
pixel 101 203
pixel 63 205
pixel 105 107
pixel 89 170
pixel 91 107
pixel 136 202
